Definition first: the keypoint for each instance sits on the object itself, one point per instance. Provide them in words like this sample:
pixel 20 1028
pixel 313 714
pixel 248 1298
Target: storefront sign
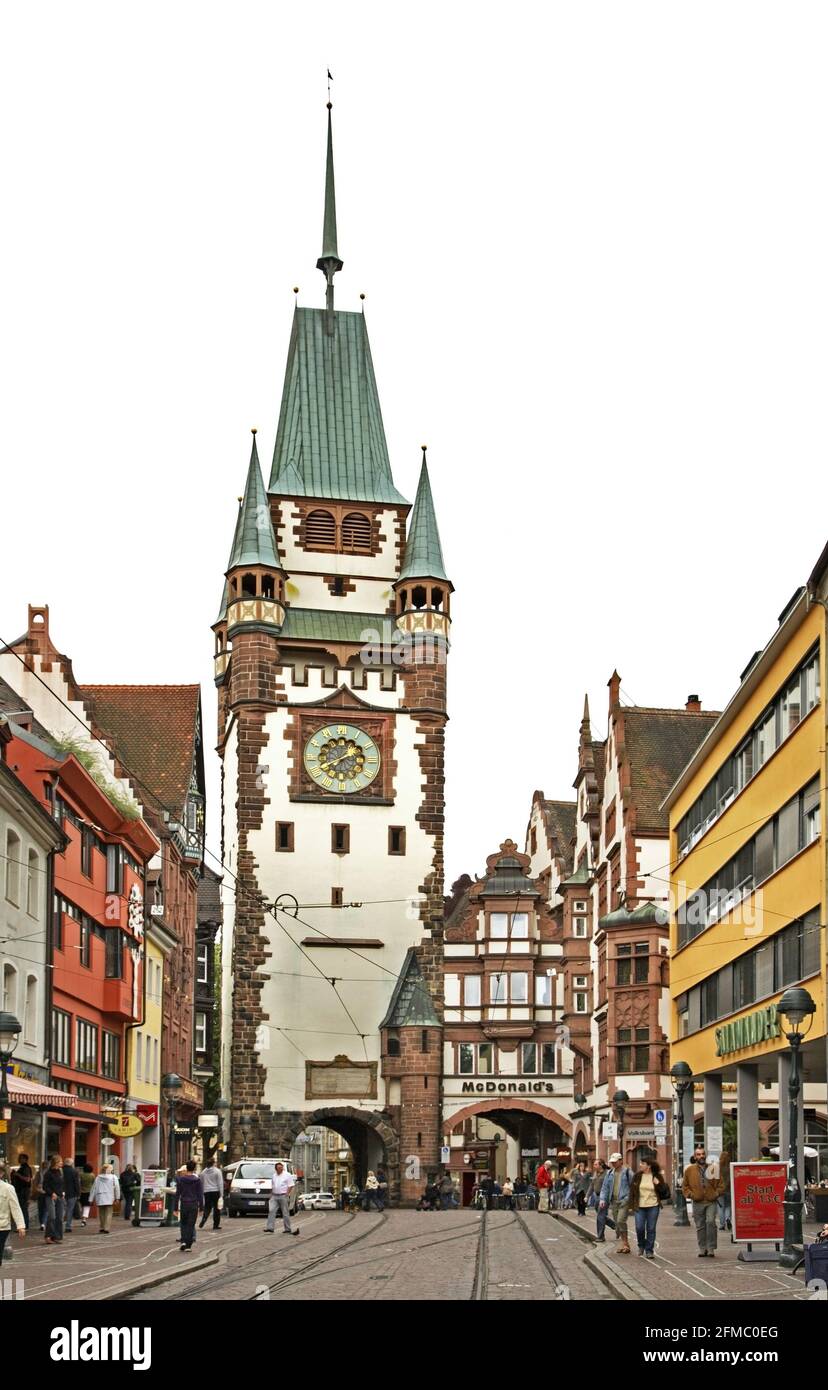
pixel 530 1153
pixel 641 1133
pixel 759 1027
pixel 523 1088
pixel 149 1114
pixel 151 1205
pixel 715 1140
pixel 125 1126
pixel 757 1196
pixel 609 1130
pixel 207 1121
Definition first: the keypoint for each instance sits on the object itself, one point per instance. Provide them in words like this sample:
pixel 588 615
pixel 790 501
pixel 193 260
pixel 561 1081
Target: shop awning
pixel 25 1092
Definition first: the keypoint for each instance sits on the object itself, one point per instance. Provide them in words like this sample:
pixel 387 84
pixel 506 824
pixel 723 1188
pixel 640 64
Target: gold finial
pixel 362 296
pixel 423 447
pixel 295 289
pixel 254 430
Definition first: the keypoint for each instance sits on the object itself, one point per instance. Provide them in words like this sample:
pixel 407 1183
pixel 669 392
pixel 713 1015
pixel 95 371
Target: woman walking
pixel 647 1191
pixel 130 1183
pixel 54 1189
pixel 106 1191
pixel 11 1213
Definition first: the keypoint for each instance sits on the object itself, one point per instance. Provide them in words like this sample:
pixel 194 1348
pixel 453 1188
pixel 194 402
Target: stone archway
pixel 348 1121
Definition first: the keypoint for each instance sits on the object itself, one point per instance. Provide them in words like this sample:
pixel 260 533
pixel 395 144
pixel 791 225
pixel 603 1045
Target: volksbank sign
pixel 760 1027
pixel 525 1088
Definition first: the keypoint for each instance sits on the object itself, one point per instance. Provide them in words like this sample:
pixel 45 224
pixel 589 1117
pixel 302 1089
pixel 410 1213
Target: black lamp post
pixel 793 1008
pixel 620 1102
pixel 681 1076
pixel 245 1124
pixel 9 1033
pixel 170 1087
pixel 222 1108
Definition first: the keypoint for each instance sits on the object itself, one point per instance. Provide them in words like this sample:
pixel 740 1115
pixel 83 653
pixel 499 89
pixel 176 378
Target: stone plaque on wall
pixel 340 1077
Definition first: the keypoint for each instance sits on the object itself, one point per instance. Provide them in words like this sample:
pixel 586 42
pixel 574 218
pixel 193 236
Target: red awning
pixel 25 1092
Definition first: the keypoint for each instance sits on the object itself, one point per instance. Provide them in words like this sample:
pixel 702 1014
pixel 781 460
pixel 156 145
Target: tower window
pixel 356 531
pixel 419 596
pixel 340 839
pixel 336 897
pixel 424 1040
pixel 320 531
pixel 436 598
pixel 267 586
pixel 396 839
pixel 284 835
pixel 338 586
pixel 393 1045
pixel 248 585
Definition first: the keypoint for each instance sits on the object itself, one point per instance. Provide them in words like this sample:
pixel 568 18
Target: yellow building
pixel 748 889
pixel 144 1055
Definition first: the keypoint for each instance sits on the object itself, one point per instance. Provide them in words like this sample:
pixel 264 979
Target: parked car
pixel 318 1201
pixel 247 1185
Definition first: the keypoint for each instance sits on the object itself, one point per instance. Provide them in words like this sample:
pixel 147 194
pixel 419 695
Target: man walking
pixel 189 1201
pixel 703 1188
pixel 71 1193
pixel 615 1198
pixel 280 1188
pixel 212 1181
pixel 21 1181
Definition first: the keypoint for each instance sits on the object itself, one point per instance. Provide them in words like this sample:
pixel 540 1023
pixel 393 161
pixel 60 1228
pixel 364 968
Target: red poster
pixel 147 1113
pixel 757 1196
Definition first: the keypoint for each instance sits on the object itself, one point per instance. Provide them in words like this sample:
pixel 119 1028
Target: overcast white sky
pixel 593 243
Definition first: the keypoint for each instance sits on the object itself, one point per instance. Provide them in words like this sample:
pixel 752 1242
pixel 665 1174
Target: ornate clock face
pixel 341 758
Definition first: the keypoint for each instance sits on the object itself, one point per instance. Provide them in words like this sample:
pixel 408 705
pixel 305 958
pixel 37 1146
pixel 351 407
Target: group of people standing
pixel 65 1193
pixel 373 1194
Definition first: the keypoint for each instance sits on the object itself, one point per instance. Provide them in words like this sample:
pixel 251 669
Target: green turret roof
pixel 329 261
pixel 423 552
pixel 223 609
pixel 411 1002
pixel 330 441
pixel 254 542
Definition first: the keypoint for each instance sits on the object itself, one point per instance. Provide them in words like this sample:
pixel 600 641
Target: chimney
pixel 614 684
pixel 693 704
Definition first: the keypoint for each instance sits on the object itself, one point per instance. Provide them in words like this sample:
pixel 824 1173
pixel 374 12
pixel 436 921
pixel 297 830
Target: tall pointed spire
pixel 254 542
pixel 423 552
pixel 586 758
pixel 329 262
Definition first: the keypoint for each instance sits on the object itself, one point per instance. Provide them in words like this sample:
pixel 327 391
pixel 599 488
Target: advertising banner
pixel 757 1194
pixel 151 1207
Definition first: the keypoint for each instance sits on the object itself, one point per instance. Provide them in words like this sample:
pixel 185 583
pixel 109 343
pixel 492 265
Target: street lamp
pixel 620 1102
pixel 246 1124
pixel 171 1084
pixel 9 1033
pixel 681 1076
pixel 794 1007
pixel 221 1108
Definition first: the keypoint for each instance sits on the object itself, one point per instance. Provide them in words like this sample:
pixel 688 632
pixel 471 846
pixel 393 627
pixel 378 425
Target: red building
pixel 97 933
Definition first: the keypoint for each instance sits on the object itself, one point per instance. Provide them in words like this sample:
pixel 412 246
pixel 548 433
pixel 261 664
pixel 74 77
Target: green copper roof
pixel 423 552
pixel 638 916
pixel 254 542
pixel 332 626
pixel 329 252
pixel 223 609
pixel 330 441
pixel 411 1003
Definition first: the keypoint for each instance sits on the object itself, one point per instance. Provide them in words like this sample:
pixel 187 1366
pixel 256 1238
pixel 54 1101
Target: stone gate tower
pixel 330 663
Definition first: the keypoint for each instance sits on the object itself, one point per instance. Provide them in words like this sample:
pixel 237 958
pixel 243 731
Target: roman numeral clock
pixel 341 758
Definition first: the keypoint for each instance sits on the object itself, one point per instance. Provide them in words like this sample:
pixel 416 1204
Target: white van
pixel 247 1185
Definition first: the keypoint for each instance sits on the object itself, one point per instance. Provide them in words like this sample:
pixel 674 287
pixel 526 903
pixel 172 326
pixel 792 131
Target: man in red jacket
pixel 543 1178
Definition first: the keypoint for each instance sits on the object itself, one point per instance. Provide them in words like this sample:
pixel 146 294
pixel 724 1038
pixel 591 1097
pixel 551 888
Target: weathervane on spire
pixel 329 262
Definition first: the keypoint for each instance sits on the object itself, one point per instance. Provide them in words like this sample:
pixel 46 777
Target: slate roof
pixel 253 541
pixel 599 756
pixel 411 1002
pixel 330 440
pixel 559 817
pixel 152 729
pixel 12 704
pixel 423 552
pixel 658 744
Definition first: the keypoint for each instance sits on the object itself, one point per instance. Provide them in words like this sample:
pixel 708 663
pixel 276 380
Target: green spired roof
pixel 330 441
pixel 411 1002
pixel 423 552
pixel 223 609
pixel 329 261
pixel 254 542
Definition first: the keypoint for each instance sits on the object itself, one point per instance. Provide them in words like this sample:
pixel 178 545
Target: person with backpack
pixel 647 1191
pixel 615 1197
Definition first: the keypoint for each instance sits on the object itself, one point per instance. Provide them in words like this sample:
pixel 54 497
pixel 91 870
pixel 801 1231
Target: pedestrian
pixel 130 1181
pixel 561 1183
pixel 38 1193
pixel 87 1179
pixel 105 1192
pixel 446 1191
pixel 280 1188
pixel 765 1155
pixel 212 1182
pixel 647 1191
pixel 189 1201
pixel 703 1188
pixel 725 1223
pixel 55 1193
pixel 582 1184
pixel 71 1192
pixel 382 1188
pixel 21 1181
pixel 599 1172
pixel 543 1181
pixel 371 1195
pixel 615 1195
pixel 11 1212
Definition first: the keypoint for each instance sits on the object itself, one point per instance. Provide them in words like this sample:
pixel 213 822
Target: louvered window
pixel 320 531
pixel 356 532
